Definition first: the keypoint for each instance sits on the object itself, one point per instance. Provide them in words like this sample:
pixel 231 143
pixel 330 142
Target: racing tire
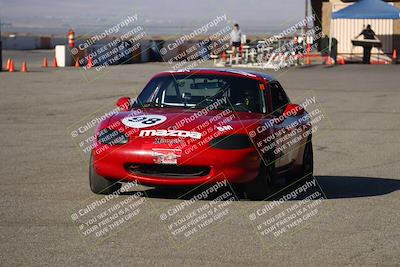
pixel 307 168
pixel 239 191
pixel 99 184
pixel 261 187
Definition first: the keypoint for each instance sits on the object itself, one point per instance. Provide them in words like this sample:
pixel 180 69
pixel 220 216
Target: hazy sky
pixel 253 15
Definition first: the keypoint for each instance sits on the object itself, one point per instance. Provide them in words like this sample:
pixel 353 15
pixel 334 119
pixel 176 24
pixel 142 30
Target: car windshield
pixel 199 91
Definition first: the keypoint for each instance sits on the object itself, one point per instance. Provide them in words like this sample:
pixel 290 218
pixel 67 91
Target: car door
pixel 284 152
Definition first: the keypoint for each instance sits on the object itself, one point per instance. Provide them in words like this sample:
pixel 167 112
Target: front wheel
pixel 261 187
pixel 308 160
pixel 99 184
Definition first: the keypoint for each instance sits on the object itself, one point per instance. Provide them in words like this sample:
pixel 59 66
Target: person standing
pixel 368 34
pixel 236 39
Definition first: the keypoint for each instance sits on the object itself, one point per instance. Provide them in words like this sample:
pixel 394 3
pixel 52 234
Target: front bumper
pixel 127 163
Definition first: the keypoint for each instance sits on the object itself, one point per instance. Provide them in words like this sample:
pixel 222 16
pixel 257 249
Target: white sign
pixel 143 121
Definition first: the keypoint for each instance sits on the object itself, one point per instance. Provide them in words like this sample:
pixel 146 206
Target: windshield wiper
pixel 150 105
pixel 206 102
pixel 153 105
pixel 240 108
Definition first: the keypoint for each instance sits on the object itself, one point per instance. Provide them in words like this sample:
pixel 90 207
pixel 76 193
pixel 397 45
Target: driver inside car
pixel 248 99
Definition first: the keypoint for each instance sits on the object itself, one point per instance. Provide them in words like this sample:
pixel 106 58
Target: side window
pixel 279 98
pixel 150 91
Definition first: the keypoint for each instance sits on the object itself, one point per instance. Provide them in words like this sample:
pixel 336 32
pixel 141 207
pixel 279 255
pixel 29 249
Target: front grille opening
pixel 172 171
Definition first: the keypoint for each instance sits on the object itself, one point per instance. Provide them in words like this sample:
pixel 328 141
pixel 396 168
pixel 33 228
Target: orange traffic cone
pixel 44 65
pixel 329 61
pixel 8 64
pixel 308 60
pixel 341 61
pixel 24 68
pixel 54 63
pixel 77 63
pixel 394 56
pixel 11 68
pixel 89 63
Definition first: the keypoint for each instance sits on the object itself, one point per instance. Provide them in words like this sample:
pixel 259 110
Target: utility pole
pixel 305 16
pixel 305 26
pixel 1 50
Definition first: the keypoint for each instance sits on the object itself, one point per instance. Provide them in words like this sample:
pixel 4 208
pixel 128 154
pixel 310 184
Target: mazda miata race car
pixel 203 126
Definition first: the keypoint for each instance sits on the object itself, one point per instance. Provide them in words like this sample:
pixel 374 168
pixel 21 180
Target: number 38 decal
pixel 143 121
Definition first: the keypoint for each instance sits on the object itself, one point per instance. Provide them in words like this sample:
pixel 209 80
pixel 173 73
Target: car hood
pixel 196 120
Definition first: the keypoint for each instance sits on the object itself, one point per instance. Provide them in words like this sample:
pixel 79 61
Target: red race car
pixel 202 126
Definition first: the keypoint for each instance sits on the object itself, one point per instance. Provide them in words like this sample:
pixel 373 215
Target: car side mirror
pixel 292 110
pixel 124 103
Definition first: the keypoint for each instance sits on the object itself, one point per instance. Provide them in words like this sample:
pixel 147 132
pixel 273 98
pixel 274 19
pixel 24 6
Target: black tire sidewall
pixel 260 188
pixel 308 155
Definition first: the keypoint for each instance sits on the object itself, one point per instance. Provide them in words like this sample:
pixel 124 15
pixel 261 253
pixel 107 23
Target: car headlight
pixel 112 137
pixel 237 141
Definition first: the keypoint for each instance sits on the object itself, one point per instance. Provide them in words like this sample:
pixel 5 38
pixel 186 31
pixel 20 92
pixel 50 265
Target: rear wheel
pixel 261 187
pixel 99 184
pixel 308 160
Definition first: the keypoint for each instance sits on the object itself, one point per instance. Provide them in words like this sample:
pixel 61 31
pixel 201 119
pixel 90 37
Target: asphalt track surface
pixel 44 176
